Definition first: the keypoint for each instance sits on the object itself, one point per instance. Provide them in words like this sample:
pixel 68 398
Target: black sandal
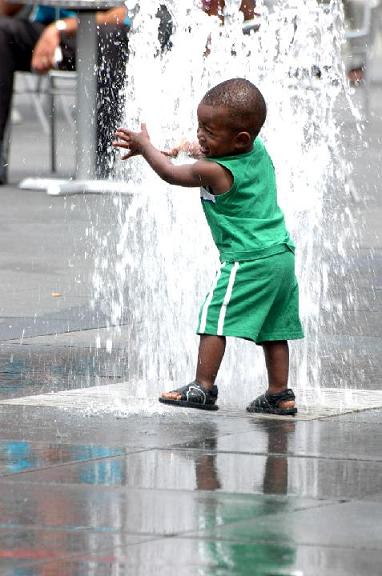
pixel 269 403
pixel 194 395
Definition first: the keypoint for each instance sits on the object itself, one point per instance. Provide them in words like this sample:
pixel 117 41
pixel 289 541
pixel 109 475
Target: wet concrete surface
pixel 189 495
pixel 37 369
pixel 171 493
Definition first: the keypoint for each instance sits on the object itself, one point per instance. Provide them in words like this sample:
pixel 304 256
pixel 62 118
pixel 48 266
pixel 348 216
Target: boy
pixel 255 292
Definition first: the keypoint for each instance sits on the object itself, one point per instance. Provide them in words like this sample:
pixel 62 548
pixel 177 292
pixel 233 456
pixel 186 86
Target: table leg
pixel 86 96
pixel 86 123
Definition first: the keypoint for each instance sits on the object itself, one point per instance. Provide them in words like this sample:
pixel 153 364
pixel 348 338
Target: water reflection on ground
pixel 184 494
pixel 27 370
pixel 121 521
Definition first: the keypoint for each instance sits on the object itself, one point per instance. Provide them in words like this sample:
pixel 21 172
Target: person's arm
pixel 192 149
pixel 43 58
pixel 9 9
pixel 200 173
pixel 112 16
pixel 247 7
pixel 216 8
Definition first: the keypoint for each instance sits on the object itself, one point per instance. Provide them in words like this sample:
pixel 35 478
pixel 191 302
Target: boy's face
pixel 215 135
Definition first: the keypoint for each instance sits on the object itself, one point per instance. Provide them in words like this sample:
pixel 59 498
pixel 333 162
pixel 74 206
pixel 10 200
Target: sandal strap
pixel 195 392
pixel 287 394
pixel 272 400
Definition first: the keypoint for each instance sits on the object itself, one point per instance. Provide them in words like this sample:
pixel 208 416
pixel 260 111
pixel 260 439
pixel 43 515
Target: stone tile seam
pixel 233 523
pixel 195 536
pixel 72 463
pixel 203 494
pixel 92 556
pixel 98 556
pixel 80 529
pixel 177 448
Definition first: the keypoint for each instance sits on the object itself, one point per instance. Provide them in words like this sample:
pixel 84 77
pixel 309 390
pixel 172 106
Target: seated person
pixel 216 8
pixel 31 43
pixel 354 11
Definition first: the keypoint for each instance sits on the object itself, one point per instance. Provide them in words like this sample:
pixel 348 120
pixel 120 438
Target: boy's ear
pixel 243 141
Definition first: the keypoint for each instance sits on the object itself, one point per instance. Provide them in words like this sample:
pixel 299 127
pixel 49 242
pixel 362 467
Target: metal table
pixel 86 66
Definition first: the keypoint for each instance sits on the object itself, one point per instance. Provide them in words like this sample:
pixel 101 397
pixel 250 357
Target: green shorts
pixel 256 300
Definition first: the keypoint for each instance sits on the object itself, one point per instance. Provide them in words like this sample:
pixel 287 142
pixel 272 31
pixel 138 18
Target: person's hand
pixel 190 148
pixel 43 58
pixel 134 142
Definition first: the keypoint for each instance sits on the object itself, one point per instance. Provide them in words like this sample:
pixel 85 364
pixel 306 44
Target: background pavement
pixel 173 493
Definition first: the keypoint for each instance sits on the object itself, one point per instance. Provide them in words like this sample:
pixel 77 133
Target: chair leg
pixel 4 154
pixel 52 131
pixel 67 112
pixel 35 91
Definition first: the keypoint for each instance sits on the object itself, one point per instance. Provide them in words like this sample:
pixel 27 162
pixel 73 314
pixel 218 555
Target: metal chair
pixel 36 86
pixel 44 91
pixel 61 84
pixel 360 40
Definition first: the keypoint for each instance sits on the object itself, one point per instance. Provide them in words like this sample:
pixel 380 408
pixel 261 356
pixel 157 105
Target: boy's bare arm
pixel 201 173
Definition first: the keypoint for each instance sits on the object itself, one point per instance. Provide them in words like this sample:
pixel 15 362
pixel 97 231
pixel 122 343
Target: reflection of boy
pixel 255 292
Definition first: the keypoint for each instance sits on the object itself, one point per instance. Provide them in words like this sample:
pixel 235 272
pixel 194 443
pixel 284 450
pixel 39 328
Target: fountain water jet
pixel 164 258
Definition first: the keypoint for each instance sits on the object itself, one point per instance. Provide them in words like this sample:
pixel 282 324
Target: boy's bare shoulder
pixel 214 175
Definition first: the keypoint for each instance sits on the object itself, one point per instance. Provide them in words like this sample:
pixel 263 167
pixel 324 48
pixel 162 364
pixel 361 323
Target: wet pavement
pixel 174 494
pixel 163 491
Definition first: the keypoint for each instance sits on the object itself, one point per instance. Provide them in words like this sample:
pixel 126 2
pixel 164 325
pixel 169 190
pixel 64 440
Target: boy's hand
pixel 190 148
pixel 134 142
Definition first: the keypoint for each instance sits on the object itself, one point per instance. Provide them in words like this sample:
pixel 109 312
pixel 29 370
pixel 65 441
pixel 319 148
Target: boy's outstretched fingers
pixel 134 142
pixel 124 140
pixel 121 139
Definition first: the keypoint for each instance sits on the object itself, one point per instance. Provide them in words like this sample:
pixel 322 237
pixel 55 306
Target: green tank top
pixel 246 222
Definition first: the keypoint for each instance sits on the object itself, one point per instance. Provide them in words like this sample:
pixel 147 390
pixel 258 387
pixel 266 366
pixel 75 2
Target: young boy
pixel 255 292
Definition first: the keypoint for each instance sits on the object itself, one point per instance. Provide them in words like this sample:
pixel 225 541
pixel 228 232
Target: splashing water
pixel 156 273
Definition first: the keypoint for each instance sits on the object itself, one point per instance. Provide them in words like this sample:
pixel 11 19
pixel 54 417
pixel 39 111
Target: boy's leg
pixel 211 352
pixel 278 399
pixel 277 362
pixel 210 356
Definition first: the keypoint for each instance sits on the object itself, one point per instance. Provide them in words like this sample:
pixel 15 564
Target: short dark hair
pixel 245 102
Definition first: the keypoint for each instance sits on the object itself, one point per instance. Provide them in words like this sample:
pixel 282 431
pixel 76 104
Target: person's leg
pixel 278 399
pixel 210 355
pixel 356 49
pixel 111 75
pixel 17 40
pixel 277 362
pixel 165 27
pixel 112 62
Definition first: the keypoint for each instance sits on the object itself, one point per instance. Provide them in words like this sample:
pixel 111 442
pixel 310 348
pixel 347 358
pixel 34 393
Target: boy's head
pixel 231 114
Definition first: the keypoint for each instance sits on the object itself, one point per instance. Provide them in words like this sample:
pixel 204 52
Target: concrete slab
pixel 345 525
pixel 177 469
pixel 115 399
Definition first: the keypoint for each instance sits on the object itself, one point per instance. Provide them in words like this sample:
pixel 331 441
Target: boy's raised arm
pixel 200 173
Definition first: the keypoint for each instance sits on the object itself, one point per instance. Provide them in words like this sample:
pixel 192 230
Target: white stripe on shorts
pixel 227 298
pixel 203 318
